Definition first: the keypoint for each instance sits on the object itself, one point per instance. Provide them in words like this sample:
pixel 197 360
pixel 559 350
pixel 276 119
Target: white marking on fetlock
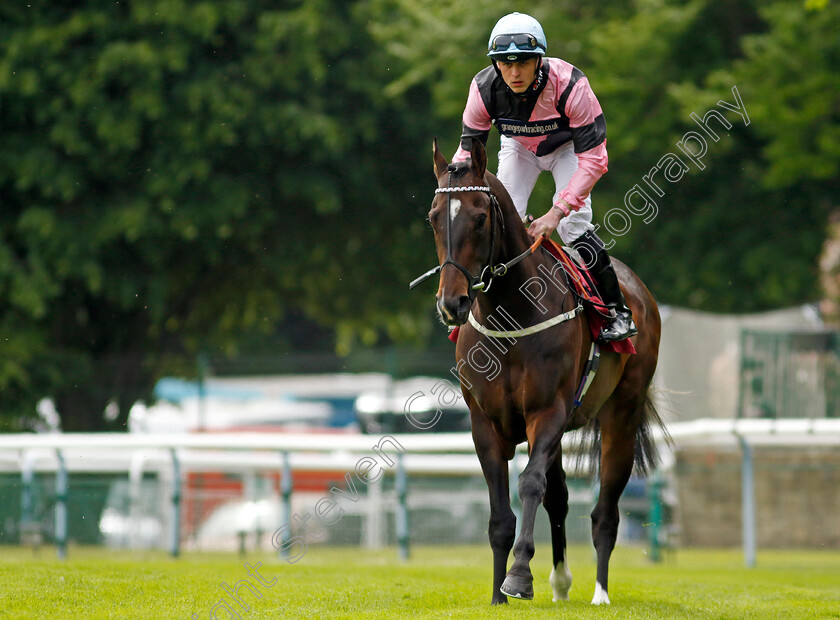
pixel 600 597
pixel 454 207
pixel 561 581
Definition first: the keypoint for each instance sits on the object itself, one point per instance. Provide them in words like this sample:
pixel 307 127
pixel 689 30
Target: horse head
pixel 466 220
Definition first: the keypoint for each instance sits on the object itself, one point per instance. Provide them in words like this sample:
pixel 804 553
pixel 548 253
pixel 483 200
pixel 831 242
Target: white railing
pixel 173 455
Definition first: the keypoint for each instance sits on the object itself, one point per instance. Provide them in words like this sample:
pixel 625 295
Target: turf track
pixel 436 583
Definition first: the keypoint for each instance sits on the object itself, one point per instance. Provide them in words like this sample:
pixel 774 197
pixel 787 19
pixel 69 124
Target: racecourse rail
pixel 420 453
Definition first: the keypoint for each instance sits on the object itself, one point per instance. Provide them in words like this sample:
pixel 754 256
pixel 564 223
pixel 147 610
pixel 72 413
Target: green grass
pixel 452 582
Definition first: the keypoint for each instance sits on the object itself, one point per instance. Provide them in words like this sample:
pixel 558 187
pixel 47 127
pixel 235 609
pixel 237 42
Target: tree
pixel 783 168
pixel 176 173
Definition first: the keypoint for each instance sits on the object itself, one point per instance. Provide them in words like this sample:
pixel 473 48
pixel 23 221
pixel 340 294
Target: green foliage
pixel 180 176
pixel 791 74
pixel 774 182
pixel 177 173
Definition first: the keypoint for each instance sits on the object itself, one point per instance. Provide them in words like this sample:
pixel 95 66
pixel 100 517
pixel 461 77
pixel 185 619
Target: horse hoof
pixel 518 587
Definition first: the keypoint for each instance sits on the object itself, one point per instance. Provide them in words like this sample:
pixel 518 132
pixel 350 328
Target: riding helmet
pixel 516 37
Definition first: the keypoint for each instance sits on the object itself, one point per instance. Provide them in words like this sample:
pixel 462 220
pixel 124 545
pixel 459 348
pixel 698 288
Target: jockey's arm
pixel 476 123
pixel 589 135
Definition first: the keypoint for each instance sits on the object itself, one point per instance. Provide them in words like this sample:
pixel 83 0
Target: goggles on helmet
pixel 524 42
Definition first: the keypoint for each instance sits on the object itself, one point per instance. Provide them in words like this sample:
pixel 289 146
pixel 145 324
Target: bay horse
pixel 521 386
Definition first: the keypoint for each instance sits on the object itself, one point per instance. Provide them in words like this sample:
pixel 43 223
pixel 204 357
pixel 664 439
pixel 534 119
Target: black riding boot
pixel 594 254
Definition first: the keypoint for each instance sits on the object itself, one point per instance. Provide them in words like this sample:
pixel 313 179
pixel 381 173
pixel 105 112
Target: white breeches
pixel 518 172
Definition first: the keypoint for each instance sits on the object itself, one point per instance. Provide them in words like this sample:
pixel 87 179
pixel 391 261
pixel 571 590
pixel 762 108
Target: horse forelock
pixel 458 170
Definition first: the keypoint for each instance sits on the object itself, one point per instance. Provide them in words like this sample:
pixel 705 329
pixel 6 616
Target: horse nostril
pixel 441 308
pixel 447 311
pixel 454 311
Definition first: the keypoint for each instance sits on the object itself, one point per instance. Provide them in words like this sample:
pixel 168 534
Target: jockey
pixel 549 120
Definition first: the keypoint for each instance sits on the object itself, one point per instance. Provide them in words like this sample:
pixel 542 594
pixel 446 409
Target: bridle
pixel 476 283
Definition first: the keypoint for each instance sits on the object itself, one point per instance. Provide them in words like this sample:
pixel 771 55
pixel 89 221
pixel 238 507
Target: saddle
pixel 583 285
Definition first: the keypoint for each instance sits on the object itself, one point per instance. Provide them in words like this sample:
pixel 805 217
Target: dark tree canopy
pixel 179 177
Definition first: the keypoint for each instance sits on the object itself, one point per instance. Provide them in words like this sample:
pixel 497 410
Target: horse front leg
pixel 544 436
pixel 494 454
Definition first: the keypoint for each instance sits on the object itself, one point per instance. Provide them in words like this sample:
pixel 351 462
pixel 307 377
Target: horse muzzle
pixel 454 310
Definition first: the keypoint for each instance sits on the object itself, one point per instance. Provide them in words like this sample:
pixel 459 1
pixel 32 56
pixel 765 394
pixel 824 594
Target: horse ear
pixel 479 158
pixel 440 161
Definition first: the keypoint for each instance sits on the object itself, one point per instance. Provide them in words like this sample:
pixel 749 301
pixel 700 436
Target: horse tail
pixel 647 446
pixel 646 456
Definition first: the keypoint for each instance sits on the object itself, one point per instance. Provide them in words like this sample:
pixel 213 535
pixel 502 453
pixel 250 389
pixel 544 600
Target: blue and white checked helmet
pixel 516 36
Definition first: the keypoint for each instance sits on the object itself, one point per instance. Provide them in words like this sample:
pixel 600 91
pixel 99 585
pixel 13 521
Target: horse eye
pixel 480 220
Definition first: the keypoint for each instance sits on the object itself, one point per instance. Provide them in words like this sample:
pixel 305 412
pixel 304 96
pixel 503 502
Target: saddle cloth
pixel 581 280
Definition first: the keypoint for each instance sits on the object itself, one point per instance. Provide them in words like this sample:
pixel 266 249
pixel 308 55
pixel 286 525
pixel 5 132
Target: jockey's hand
pixel 547 224
pixel 544 226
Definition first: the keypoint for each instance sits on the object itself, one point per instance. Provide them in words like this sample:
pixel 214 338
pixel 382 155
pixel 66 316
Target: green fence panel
pixel 789 374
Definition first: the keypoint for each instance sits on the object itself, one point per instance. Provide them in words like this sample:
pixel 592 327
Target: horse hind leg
pixel 618 429
pixel 556 504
